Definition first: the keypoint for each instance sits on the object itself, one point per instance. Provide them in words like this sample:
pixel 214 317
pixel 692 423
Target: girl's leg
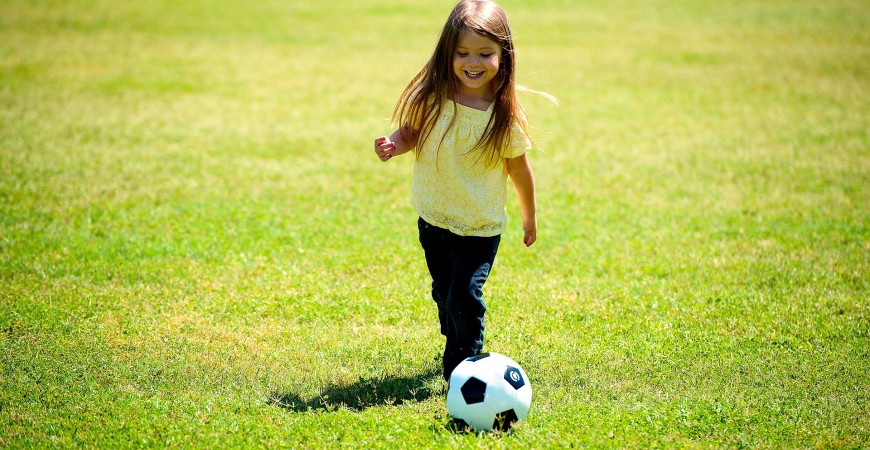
pixel 440 263
pixel 459 266
pixel 472 258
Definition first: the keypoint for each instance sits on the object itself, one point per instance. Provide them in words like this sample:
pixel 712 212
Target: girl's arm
pixel 521 175
pixel 395 145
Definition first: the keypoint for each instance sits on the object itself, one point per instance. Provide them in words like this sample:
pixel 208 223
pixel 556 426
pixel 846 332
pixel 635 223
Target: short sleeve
pixel 520 142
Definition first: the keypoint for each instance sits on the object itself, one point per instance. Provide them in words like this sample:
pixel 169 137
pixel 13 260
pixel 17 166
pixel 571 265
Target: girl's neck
pixel 476 100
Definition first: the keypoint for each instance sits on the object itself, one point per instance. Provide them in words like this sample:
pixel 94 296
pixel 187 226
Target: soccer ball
pixel 488 391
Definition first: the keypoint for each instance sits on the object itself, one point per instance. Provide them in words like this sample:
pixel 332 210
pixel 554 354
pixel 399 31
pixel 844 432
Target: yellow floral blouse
pixel 458 190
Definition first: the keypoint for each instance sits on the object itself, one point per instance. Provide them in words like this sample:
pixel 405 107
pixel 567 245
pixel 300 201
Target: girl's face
pixel 476 62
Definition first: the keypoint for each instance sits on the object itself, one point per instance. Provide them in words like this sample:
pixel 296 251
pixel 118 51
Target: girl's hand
pixel 384 148
pixel 530 231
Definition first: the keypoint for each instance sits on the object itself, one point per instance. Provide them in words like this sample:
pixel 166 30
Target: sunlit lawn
pixel 198 247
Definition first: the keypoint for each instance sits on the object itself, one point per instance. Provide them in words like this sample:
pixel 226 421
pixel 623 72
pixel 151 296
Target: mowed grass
pixel 198 247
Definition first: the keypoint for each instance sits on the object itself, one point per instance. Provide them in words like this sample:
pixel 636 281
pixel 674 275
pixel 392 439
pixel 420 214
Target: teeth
pixel 474 74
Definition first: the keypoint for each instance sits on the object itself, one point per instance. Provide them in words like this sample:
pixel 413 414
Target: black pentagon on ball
pixel 473 391
pixel 504 420
pixel 478 357
pixel 513 376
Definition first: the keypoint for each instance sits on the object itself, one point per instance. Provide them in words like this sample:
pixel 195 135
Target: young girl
pixel 461 117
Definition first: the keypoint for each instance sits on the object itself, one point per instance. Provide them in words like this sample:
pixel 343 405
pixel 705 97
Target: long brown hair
pixel 422 101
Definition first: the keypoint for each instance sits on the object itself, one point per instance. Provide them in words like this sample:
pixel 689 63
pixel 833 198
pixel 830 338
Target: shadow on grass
pixel 365 393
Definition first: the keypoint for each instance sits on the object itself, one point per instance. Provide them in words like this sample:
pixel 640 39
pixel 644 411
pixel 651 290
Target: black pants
pixel 459 266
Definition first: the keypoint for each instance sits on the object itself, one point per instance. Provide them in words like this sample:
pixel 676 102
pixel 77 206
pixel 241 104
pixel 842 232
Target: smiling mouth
pixel 473 74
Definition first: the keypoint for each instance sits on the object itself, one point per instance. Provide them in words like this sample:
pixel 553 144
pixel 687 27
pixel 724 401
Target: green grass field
pixel 199 248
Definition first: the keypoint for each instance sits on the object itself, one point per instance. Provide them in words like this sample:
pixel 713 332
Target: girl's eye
pixel 462 54
pixel 486 56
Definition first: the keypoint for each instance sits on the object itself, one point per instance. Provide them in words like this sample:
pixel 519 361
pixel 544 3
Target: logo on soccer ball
pixel 514 377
